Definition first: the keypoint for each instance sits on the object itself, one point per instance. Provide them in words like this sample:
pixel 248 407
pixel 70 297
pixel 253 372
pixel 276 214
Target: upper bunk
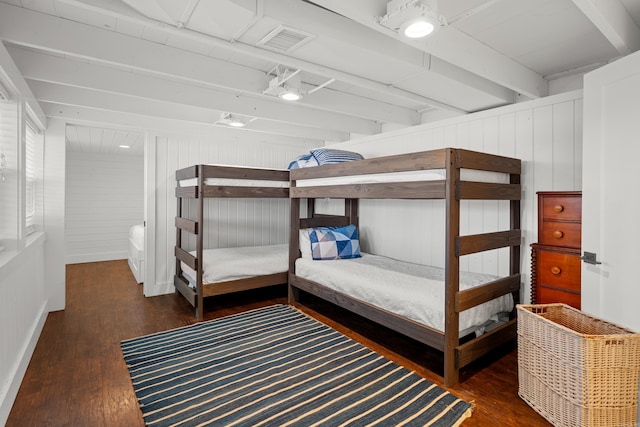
pixel 203 181
pixel 433 174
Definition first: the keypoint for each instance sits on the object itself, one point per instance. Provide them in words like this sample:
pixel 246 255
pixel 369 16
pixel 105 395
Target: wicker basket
pixel 575 369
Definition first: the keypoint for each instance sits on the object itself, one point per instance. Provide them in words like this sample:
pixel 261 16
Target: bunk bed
pixel 203 273
pixel 439 174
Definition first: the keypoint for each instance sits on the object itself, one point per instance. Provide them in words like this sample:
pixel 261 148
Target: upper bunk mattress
pixel 407 176
pixel 224 264
pixel 236 182
pixel 410 290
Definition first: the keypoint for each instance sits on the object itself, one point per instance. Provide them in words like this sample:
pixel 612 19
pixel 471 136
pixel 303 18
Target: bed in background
pixel 439 174
pixel 136 252
pixel 203 273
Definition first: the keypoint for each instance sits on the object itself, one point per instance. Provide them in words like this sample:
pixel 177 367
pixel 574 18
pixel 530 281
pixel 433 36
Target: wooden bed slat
pixel 243 192
pixel 470 190
pixel 187 192
pixel 187 225
pixel 397 190
pixel 324 221
pixel 186 257
pixel 183 287
pixel 483 293
pixel 212 289
pixel 467 159
pixel 187 173
pixel 424 160
pixel 468 352
pixel 221 171
pixel 488 241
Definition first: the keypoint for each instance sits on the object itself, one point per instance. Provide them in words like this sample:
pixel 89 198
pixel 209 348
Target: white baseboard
pixel 96 257
pixel 8 394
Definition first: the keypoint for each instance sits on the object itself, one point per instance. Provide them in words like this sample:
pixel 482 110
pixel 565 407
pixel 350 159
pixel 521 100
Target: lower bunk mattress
pixel 226 264
pixel 410 290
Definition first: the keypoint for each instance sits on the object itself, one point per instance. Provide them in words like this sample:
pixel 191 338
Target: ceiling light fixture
pixel 290 93
pixel 233 120
pixel 412 18
pixel 286 84
pixel 125 146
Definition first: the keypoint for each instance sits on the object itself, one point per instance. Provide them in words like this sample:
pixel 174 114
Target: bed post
pixel 178 239
pixel 199 245
pixel 351 211
pixel 452 269
pixel 514 251
pixel 294 244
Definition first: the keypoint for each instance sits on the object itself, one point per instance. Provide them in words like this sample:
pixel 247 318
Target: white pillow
pixel 305 244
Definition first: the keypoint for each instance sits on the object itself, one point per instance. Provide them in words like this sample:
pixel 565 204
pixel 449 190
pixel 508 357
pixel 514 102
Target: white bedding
pixel 418 175
pixel 234 182
pixel 224 264
pixel 409 290
pixel 136 252
pixel 136 235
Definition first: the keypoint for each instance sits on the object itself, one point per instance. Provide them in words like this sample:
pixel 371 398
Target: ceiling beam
pixel 452 46
pixel 30 29
pixel 139 107
pixel 238 46
pixel 46 68
pixel 612 19
pixel 96 118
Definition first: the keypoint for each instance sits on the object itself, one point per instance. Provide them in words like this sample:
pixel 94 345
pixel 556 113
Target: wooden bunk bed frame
pixel 200 192
pixel 453 190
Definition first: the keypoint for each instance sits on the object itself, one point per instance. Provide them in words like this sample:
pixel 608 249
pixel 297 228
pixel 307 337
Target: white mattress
pixel 224 264
pixel 419 175
pixel 409 290
pixel 234 182
pixel 136 235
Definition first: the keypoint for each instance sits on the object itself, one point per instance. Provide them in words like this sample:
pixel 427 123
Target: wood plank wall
pixel 104 198
pixel 546 134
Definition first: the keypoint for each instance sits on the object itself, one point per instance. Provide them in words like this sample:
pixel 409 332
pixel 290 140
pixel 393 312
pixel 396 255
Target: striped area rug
pixel 275 366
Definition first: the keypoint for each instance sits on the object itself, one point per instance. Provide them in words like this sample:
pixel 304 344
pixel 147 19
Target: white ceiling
pixel 169 65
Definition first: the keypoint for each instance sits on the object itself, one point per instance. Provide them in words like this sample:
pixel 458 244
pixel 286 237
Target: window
pixel 31 172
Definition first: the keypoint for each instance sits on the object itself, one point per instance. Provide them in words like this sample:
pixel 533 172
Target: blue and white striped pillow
pixel 326 156
pixel 303 161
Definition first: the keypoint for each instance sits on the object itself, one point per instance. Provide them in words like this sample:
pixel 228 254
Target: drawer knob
pixel 555 270
pixel 558 208
pixel 558 234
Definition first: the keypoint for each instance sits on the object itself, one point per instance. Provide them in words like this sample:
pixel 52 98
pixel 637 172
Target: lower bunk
pixel 228 270
pixel 414 300
pixel 409 299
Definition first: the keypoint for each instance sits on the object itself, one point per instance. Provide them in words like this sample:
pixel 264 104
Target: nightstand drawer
pixel 558 270
pixel 561 234
pixel 562 208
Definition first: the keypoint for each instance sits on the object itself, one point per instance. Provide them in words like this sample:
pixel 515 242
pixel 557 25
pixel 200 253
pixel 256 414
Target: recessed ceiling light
pixel 125 146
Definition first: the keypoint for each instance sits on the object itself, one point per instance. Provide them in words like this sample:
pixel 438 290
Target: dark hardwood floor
pixel 77 376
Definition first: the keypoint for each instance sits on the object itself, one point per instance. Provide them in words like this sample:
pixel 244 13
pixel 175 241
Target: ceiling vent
pixel 285 39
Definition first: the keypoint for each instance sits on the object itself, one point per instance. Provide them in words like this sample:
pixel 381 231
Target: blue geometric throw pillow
pixel 334 243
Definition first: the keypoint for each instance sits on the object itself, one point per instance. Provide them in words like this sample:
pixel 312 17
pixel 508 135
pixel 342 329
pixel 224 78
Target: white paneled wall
pixel 104 198
pixel 545 134
pixel 23 311
pixel 230 223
